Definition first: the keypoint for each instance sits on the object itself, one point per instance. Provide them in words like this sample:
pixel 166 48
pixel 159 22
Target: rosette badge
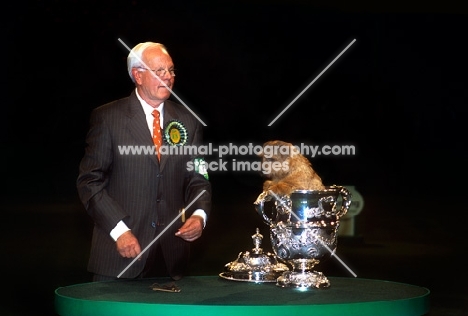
pixel 175 133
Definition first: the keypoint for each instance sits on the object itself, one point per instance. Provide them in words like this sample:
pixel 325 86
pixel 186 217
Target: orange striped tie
pixel 157 137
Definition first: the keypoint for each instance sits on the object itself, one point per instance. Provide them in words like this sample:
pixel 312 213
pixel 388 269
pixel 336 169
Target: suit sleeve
pixel 196 183
pixel 93 178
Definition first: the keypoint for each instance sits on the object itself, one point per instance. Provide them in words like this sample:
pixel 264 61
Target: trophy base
pixel 304 280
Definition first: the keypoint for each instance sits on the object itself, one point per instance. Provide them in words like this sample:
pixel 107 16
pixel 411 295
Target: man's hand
pixel 192 228
pixel 127 245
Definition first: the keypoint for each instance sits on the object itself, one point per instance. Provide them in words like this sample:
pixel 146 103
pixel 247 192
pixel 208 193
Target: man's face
pixel 151 87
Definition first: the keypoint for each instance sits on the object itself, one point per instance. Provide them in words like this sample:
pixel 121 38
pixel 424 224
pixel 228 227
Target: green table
pixel 212 295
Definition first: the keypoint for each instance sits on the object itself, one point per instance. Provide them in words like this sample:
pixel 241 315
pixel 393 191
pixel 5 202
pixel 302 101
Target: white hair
pixel 134 59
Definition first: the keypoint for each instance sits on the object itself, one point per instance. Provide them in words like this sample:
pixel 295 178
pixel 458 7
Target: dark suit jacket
pixel 138 189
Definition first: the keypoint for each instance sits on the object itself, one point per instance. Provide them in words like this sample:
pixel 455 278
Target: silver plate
pixel 255 265
pixel 249 277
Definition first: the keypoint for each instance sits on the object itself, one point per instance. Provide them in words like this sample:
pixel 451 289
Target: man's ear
pixel 137 75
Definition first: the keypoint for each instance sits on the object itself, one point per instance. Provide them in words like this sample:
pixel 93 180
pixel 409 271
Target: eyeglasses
pixel 161 72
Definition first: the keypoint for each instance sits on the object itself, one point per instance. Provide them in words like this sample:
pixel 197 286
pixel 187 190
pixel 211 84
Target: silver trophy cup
pixel 303 230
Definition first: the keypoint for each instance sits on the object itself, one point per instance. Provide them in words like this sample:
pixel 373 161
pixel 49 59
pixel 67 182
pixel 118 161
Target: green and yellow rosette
pixel 175 133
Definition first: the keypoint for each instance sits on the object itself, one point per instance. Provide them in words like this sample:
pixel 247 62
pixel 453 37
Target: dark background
pixel 398 94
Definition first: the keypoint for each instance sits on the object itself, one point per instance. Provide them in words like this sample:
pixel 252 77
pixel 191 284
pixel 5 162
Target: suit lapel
pixel 169 114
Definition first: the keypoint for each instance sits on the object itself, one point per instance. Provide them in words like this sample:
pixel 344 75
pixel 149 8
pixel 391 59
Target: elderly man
pixel 133 196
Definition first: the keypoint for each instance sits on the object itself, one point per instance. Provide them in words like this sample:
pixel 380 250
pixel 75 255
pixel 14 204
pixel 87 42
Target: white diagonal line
pixel 337 258
pixel 172 92
pixel 328 248
pixel 308 86
pixel 160 234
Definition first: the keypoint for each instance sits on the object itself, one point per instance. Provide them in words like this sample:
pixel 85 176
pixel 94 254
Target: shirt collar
pixel 148 109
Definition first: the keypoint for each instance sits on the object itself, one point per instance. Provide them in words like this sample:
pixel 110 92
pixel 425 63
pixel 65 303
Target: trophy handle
pixel 346 200
pixel 259 206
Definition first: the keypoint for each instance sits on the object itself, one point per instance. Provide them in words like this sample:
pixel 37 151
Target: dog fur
pixel 298 176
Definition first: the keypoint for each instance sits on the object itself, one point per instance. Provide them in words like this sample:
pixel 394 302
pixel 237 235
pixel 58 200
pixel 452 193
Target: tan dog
pixel 296 171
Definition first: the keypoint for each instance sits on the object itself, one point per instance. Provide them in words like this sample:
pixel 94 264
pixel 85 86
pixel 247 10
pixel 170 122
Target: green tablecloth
pixel 212 295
